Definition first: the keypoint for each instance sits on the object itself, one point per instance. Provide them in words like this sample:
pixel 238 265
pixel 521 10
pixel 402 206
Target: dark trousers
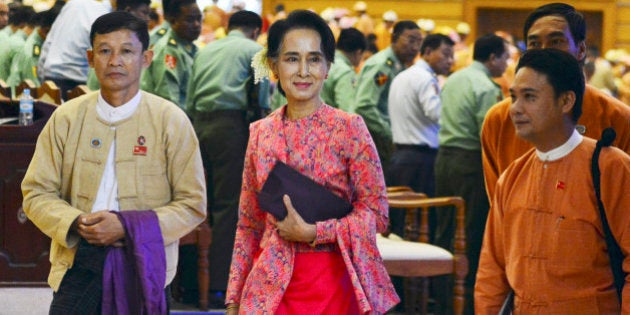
pixel 223 137
pixel 65 85
pixel 81 289
pixel 459 172
pixel 413 166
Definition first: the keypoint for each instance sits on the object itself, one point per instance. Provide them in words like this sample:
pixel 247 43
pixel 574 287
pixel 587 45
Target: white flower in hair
pixel 260 66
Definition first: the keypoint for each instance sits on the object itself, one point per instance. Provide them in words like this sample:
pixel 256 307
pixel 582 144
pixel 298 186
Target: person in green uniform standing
pixel 339 88
pixel 375 78
pixel 21 24
pixel 168 74
pixel 160 31
pixel 223 98
pixel 24 64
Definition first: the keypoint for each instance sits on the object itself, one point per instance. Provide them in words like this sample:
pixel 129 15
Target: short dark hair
pixel 175 7
pixel 121 20
pixel 246 20
pixel 401 26
pixel 562 70
pixel 47 18
pixel 487 45
pixel 132 4
pixel 434 41
pixel 300 19
pixel 351 40
pixel 21 15
pixel 575 20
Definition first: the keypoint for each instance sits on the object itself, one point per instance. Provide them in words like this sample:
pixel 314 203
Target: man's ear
pixel 567 100
pixel 90 57
pixel 147 57
pixel 581 55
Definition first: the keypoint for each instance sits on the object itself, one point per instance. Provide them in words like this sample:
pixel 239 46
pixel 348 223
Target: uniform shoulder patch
pixel 380 78
pixel 36 50
pixel 170 61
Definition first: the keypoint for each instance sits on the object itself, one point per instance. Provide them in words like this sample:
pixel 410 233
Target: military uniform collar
pixel 174 40
pixel 392 60
pixel 236 33
pixel 340 57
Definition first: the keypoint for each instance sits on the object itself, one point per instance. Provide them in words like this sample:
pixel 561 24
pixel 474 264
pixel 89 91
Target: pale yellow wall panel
pixel 623 33
pixel 623 15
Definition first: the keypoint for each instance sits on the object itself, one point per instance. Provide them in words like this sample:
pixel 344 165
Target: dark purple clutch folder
pixel 311 200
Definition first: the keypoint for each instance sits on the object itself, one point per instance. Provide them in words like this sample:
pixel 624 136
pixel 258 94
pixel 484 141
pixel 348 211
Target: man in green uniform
pixel 21 26
pixel 375 79
pixel 339 87
pixel 24 64
pixel 161 30
pixel 168 74
pixel 222 100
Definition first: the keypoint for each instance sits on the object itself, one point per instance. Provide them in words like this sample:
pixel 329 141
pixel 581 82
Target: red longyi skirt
pixel 320 284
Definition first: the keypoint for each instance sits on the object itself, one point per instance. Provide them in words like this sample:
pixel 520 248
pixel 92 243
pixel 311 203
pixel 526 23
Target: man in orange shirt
pixel 555 25
pixel 544 237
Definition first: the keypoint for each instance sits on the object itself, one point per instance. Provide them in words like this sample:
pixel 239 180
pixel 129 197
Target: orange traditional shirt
pixel 544 237
pixel 334 149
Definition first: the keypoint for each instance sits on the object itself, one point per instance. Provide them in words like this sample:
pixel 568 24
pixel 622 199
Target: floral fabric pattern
pixel 334 149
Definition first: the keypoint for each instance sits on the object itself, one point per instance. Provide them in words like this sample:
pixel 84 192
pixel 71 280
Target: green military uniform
pixel 8 49
pixel 5 33
pixel 24 64
pixel 339 88
pixel 371 98
pixel 168 74
pixel 158 32
pixel 223 100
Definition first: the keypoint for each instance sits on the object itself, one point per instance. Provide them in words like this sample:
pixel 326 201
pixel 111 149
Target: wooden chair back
pixel 417 220
pixel 5 90
pixel 26 84
pixel 78 91
pixel 49 92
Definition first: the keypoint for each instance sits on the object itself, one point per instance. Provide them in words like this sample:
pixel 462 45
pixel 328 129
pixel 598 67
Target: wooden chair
pixel 5 91
pixel 202 237
pixel 26 84
pixel 78 91
pixel 49 92
pixel 415 257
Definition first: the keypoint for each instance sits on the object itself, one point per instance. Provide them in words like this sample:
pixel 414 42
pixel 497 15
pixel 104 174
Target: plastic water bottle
pixel 26 108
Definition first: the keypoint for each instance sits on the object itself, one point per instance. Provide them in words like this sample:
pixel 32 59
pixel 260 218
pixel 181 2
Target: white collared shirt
pixel 563 150
pixel 107 195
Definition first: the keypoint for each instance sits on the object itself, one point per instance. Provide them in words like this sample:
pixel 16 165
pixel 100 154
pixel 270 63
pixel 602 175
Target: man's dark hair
pixel 245 20
pixel 47 18
pixel 351 40
pixel 562 70
pixel 21 15
pixel 175 7
pixel 434 41
pixel 574 19
pixel 131 4
pixel 487 45
pixel 401 27
pixel 121 20
pixel 300 19
pixel 165 8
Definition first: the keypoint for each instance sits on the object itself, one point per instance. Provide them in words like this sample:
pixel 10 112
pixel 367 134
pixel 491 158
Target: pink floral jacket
pixel 335 149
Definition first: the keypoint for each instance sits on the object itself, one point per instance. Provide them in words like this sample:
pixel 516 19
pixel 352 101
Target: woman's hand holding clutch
pixel 293 227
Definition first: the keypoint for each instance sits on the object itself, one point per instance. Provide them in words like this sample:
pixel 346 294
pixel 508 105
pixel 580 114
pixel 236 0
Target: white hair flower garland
pixel 260 66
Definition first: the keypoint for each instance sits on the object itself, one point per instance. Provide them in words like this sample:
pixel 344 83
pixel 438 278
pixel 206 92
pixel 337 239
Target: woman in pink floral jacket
pixel 290 266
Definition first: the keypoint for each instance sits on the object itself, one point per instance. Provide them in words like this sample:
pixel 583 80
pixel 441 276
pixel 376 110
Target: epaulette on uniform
pixel 389 62
pixel 172 42
pixel 36 50
pixel 161 31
